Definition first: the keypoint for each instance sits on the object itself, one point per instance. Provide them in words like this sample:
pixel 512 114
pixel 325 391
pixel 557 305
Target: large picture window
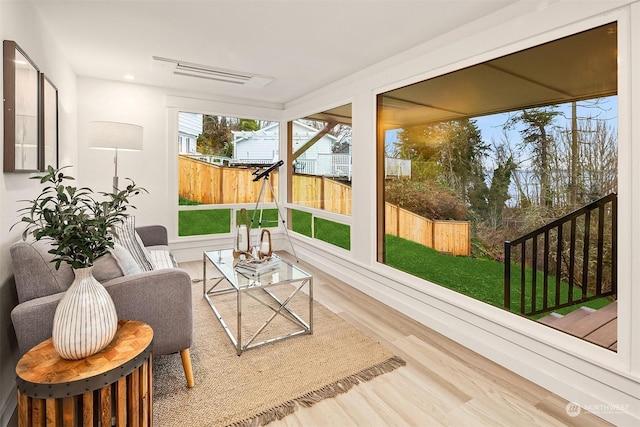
pixel 499 180
pixel 320 180
pixel 217 158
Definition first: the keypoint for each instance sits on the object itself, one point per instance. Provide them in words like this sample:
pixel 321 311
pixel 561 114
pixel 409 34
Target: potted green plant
pixel 81 228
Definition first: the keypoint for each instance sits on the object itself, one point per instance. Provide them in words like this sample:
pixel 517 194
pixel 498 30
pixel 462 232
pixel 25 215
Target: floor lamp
pixel 115 136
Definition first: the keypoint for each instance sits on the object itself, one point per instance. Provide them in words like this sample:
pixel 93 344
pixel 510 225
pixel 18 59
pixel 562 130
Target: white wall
pixel 19 22
pixel 136 104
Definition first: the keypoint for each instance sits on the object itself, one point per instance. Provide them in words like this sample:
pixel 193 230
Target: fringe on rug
pixel 328 391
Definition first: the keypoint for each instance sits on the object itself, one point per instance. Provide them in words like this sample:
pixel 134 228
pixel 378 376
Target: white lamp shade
pixel 123 136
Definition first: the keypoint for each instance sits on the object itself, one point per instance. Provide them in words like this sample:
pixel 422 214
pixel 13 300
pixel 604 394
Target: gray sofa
pixel 161 298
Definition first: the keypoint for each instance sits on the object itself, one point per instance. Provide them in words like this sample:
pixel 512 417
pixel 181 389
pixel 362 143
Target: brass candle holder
pixel 265 249
pixel 243 238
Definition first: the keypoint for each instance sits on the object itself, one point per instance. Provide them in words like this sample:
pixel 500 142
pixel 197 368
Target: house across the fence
pixel 261 147
pixel 189 128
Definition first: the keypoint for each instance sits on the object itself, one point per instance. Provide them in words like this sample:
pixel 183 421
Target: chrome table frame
pixel 241 283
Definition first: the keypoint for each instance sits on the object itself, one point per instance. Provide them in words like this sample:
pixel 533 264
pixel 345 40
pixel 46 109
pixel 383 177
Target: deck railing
pixel 566 262
pixel 331 165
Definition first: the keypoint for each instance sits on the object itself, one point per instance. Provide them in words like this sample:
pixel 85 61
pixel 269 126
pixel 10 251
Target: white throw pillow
pixel 125 260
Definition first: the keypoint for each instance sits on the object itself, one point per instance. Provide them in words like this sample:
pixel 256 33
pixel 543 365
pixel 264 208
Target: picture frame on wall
pixel 21 85
pixel 49 124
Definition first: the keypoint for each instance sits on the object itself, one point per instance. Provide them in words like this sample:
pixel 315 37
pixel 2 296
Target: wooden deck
pixel 597 326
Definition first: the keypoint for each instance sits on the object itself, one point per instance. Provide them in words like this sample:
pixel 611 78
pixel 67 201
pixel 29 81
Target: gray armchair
pixel 160 298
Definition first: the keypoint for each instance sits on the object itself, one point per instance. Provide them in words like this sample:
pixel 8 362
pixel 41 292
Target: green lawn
pixel 187 202
pixel 199 222
pixel 479 278
pixel 270 218
pixel 328 231
pixel 333 232
pixel 301 222
pixel 218 221
pixel 482 279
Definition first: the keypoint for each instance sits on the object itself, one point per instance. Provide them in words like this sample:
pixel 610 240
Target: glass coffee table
pixel 259 287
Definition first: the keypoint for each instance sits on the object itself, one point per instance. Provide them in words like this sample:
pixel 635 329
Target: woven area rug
pixel 268 382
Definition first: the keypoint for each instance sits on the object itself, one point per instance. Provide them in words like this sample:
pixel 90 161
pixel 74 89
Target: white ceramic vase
pixel 85 321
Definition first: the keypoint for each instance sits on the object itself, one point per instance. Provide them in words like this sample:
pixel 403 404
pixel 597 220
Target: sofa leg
pixel 186 364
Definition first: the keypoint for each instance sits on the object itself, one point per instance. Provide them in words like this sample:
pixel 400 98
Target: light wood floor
pixel 443 383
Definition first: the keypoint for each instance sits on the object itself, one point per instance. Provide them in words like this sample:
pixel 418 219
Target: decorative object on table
pixel 86 319
pixel 265 249
pixel 116 136
pixel 257 266
pixel 81 229
pixel 242 244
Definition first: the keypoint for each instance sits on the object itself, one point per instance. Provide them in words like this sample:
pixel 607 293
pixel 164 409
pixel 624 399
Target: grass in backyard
pixel 218 221
pixel 479 278
pixel 199 222
pixel 270 218
pixel 186 202
pixel 301 222
pixel 333 232
pixel 329 231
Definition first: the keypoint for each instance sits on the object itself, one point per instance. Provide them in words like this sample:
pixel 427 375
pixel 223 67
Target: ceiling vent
pixel 182 68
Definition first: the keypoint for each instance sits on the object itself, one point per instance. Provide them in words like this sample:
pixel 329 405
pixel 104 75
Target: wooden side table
pixel 112 387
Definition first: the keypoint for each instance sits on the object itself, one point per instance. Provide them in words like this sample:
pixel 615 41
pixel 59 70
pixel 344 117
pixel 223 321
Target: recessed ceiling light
pixel 129 77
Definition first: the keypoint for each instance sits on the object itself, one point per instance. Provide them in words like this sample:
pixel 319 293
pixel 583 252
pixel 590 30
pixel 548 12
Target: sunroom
pixel 476 67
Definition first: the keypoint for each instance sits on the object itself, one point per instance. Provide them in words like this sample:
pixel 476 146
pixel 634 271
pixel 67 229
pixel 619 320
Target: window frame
pixel 627 190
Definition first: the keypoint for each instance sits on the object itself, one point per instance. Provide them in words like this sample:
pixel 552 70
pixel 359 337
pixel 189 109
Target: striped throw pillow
pixel 126 236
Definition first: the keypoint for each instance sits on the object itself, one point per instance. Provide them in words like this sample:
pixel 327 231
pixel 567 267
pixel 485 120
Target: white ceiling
pixel 303 44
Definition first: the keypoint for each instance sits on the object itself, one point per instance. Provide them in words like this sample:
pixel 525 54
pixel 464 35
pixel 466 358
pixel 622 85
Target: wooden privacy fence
pixel 211 184
pixel 321 193
pixel 452 237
